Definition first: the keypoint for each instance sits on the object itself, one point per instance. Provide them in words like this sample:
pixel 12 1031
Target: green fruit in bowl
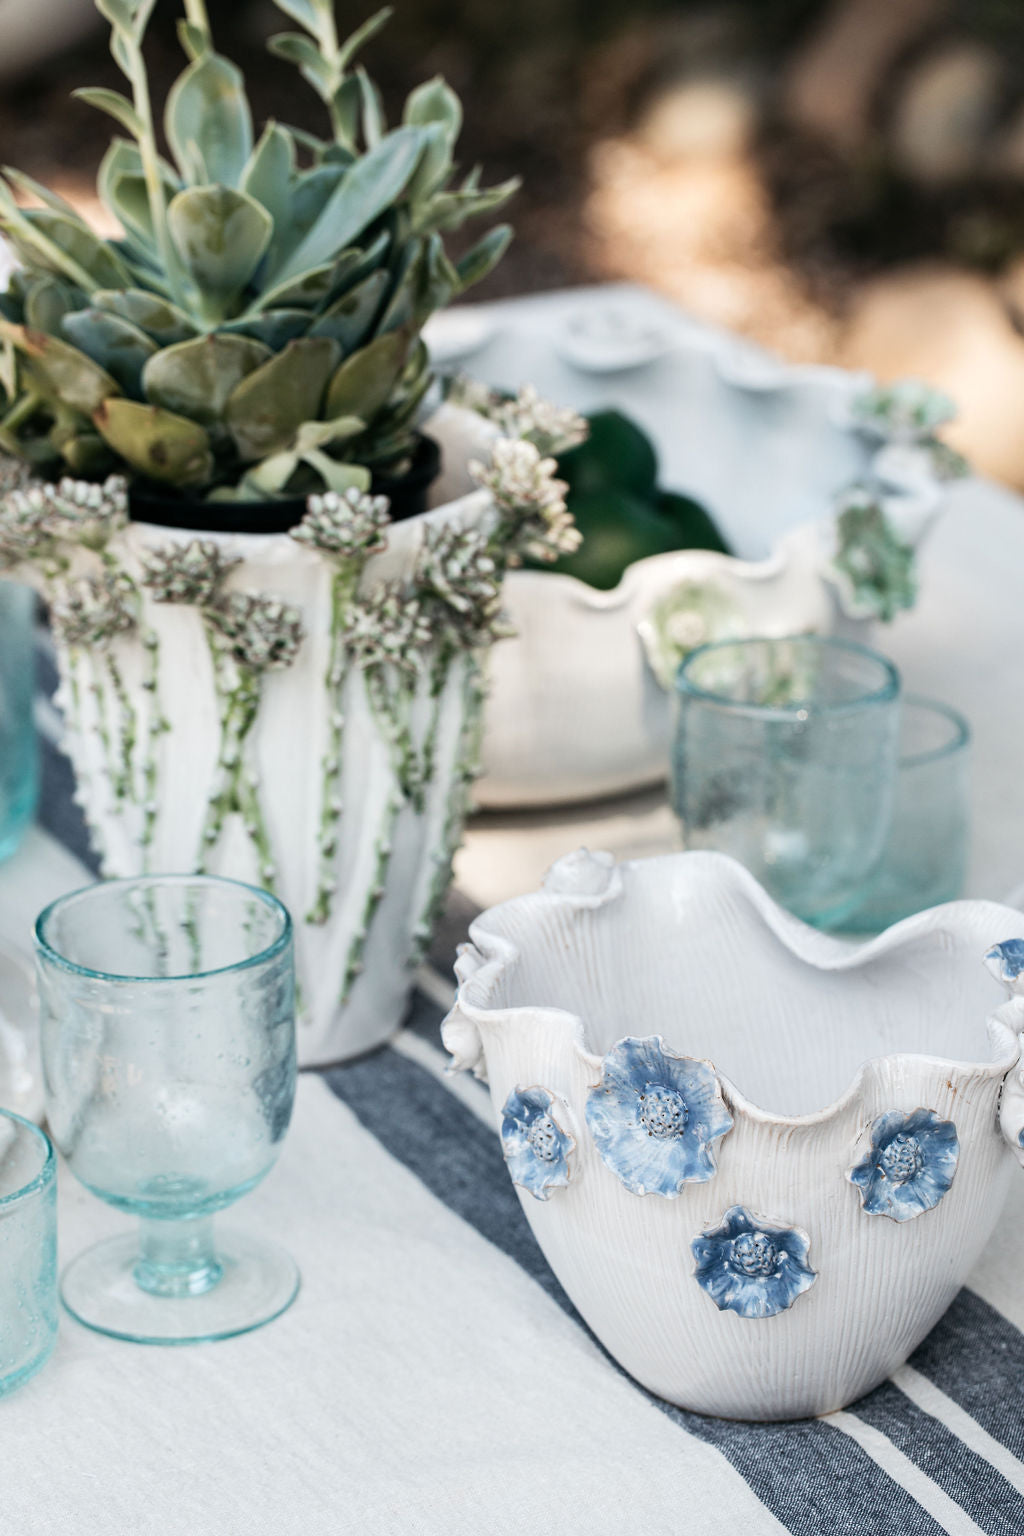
pixel 616 453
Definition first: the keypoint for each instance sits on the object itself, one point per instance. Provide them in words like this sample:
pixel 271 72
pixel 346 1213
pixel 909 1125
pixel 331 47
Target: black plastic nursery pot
pixel 407 493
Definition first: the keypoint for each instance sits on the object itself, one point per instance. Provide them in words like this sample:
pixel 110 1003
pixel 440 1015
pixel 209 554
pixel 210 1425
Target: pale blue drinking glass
pixel 784 756
pixel 28 1250
pixel 167 1019
pixel 18 756
pixel 925 857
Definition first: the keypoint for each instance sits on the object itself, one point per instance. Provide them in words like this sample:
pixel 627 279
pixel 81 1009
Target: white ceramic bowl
pixel 686 1078
pixel 576 711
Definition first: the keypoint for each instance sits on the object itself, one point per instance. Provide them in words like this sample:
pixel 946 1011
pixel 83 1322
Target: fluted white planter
pixel 760 1163
pixel 575 709
pixel 362 861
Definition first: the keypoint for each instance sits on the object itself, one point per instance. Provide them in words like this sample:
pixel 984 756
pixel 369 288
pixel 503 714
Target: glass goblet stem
pixel 177 1258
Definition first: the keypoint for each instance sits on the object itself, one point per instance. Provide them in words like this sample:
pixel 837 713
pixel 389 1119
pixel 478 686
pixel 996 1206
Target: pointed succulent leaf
pixel 362 35
pixel 304 53
pixel 353 265
pixel 61 371
pixel 276 328
pixel 435 165
pixel 363 383
pixel 193 39
pixel 116 344
pixel 114 105
pixel 156 443
pixel 434 102
pixel 32 188
pixel 268 175
pixel 47 301
pixel 336 476
pixel 129 203
pixel 450 210
pixel 327 434
pixel 85 248
pixel 268 478
pixel 350 318
pixel 208 107
pixel 439 283
pixel 346 113
pixel 372 103
pixel 156 316
pixel 267 408
pixel 401 300
pixel 121 168
pixel 365 190
pixel 86 454
pixel 309 290
pixel 483 257
pixel 303 11
pixel 221 236
pixel 196 378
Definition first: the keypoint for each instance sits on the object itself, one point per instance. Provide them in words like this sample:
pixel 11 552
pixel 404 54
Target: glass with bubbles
pixel 28 1250
pixel 167 1015
pixel 18 758
pixel 925 857
pixel 784 756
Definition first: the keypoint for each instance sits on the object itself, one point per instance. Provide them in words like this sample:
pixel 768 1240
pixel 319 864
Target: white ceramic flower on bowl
pixel 761 1163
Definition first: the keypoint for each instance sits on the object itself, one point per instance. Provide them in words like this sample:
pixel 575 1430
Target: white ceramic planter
pixel 575 710
pixel 145 720
pixel 686 1078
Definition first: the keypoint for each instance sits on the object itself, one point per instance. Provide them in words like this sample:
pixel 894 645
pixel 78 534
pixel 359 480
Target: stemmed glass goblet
pixel 167 1013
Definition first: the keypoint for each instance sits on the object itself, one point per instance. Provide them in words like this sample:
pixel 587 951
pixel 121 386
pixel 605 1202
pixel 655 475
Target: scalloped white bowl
pixel 575 711
pixel 811 1041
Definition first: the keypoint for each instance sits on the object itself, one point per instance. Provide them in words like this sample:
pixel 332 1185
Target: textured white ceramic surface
pixel 812 1042
pixel 575 711
pixel 286 750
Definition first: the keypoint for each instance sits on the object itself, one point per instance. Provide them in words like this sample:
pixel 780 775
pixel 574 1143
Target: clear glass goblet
pixel 167 1014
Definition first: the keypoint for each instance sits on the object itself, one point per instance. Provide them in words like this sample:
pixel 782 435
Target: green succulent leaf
pixel 193 39
pixel 115 344
pixel 221 236
pixel 305 12
pixel 269 173
pixel 122 188
pixel 47 301
pixel 196 378
pixel 85 249
pixel 60 370
pixel 32 188
pixel 372 103
pixel 114 105
pixel 435 165
pixel 309 194
pixel 350 318
pixel 266 409
pixel 483 257
pixel 304 53
pixel 450 210
pixel 156 316
pixel 365 190
pixel 208 111
pixel 276 328
pixel 156 443
pixel 130 16
pixel 434 102
pixel 86 454
pixel 361 36
pixel 363 383
pixel 309 290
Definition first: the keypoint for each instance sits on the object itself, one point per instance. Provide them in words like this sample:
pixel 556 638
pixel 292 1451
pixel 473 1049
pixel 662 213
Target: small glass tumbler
pixel 925 857
pixel 18 756
pixel 167 1023
pixel 28 1250
pixel 785 757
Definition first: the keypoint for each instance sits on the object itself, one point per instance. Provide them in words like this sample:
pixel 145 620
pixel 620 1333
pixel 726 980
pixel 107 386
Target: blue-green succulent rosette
pixel 751 1266
pixel 909 1166
pixel 536 1148
pixel 655 1117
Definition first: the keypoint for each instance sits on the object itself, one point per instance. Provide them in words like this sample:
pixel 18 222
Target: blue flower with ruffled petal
pixel 751 1266
pixel 654 1116
pixel 1006 961
pixel 910 1165
pixel 536 1147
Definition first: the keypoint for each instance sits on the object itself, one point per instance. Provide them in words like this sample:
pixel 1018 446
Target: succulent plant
pixel 255 332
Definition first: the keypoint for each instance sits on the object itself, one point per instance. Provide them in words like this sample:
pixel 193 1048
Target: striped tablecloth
pixel 432 1377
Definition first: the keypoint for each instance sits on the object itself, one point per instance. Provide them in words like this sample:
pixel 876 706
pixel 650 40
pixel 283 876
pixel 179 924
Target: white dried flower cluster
pixel 457 576
pixel 37 516
pixel 472 394
pixel 551 428
pixel 186 573
pixel 349 523
pixel 525 488
pixel 388 626
pixel 92 610
pixel 262 633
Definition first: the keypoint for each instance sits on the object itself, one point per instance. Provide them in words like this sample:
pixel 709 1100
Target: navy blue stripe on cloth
pixel 976 1357
pixel 977 1487
pixel 813 1478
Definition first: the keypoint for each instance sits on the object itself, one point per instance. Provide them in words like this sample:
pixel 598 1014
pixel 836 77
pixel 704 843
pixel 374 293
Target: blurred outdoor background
pixel 842 180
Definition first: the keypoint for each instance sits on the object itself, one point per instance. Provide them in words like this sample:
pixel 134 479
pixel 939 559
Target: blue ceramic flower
pixel 910 1165
pixel 654 1116
pixel 1006 961
pixel 751 1266
pixel 535 1146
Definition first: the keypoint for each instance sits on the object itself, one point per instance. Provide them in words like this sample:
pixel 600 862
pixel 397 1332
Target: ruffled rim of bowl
pixel 483 962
